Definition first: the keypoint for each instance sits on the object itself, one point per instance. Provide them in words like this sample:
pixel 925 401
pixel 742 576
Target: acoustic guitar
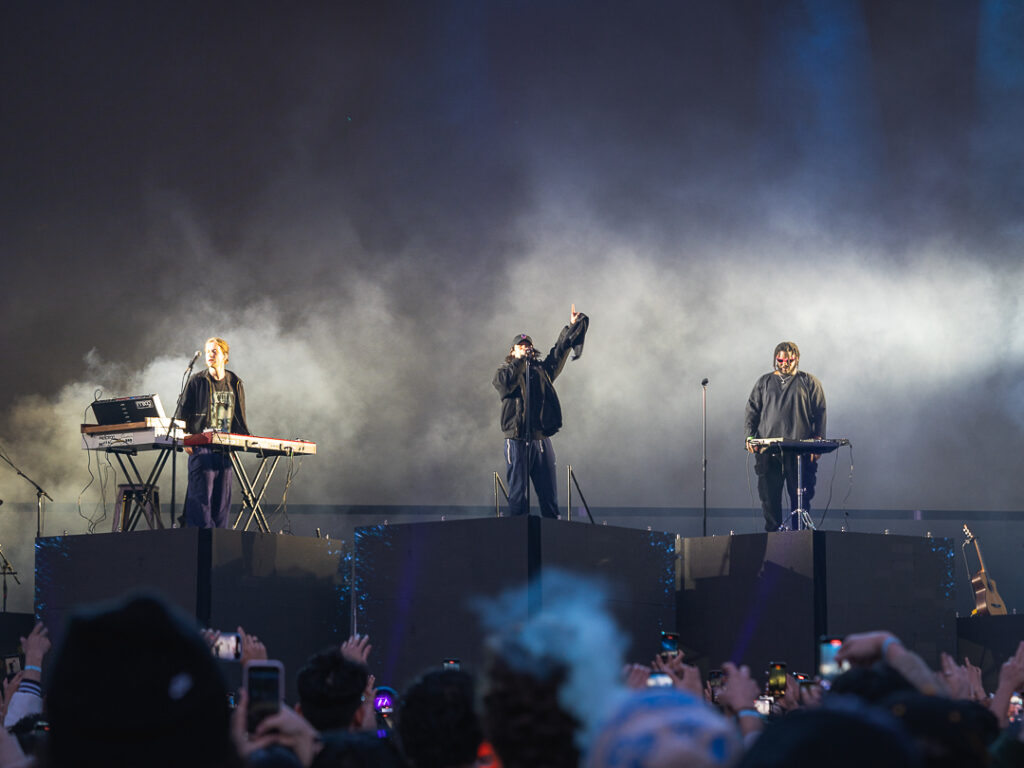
pixel 986 598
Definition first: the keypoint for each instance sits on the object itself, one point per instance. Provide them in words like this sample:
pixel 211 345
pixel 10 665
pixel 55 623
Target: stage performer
pixel 528 452
pixel 790 404
pixel 214 399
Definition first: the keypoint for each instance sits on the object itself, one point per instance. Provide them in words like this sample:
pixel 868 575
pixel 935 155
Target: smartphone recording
pixel 264 685
pixel 226 645
pixel 776 679
pixel 828 668
pixel 669 645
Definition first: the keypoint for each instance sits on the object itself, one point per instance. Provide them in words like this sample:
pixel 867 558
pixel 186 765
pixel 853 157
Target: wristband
pixel 889 641
pixel 32 668
pixel 748 713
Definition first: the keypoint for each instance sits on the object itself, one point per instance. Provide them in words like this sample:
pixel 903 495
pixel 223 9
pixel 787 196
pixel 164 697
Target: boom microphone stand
pixel 8 570
pixel 40 495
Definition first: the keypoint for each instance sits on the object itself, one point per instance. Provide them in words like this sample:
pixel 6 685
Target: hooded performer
pixel 531 415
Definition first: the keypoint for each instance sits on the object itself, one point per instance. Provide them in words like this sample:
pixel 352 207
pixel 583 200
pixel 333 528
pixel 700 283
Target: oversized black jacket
pixel 195 409
pixel 546 411
pixel 795 411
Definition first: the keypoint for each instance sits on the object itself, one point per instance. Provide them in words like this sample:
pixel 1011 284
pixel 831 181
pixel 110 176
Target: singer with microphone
pixel 531 414
pixel 214 399
pixel 790 404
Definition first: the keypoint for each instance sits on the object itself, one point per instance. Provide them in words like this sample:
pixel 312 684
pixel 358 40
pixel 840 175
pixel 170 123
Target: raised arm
pixel 572 335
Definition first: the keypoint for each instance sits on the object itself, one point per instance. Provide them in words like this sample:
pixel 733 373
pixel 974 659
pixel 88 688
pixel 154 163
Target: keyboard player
pixel 789 404
pixel 214 399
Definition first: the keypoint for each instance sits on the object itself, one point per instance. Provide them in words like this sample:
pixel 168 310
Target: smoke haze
pixel 367 202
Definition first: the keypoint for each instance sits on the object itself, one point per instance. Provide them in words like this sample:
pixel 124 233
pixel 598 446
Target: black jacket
pixel 510 379
pixel 195 409
pixel 794 411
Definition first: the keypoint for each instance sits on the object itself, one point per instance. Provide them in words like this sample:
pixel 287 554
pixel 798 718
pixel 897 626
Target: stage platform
pixel 752 598
pixel 758 598
pixel 415 584
pixel 285 589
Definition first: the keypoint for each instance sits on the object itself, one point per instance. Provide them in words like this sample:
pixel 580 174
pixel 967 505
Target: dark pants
pixel 208 499
pixel 775 469
pixel 542 470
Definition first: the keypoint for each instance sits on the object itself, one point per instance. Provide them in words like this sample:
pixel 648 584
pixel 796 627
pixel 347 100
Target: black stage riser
pixel 285 589
pixel 416 583
pixel 13 627
pixel 758 598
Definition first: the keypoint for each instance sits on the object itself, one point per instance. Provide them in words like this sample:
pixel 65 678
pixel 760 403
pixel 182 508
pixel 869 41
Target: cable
pixel 849 488
pixel 293 472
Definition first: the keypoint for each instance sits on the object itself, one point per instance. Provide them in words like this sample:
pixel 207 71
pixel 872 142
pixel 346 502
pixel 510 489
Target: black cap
pixel 522 338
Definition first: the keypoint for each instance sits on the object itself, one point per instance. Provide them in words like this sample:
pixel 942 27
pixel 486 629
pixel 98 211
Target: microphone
pixel 194 358
pixel 704 382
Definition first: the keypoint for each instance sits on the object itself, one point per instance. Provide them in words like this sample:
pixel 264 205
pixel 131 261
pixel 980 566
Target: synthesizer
pixel 812 445
pixel 147 435
pixel 268 446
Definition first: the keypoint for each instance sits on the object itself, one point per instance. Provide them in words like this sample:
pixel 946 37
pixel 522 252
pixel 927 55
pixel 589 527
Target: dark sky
pixel 368 199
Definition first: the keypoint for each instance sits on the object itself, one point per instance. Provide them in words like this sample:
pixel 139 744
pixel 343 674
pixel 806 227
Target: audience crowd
pixel 136 684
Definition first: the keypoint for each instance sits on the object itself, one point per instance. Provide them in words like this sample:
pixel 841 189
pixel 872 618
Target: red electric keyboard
pixel 265 448
pixel 268 446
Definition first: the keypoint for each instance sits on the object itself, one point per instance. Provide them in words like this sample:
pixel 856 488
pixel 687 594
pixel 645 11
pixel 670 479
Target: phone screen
pixel 777 679
pixel 1016 708
pixel 263 681
pixel 828 668
pixel 659 680
pixel 669 645
pixel 716 679
pixel 227 645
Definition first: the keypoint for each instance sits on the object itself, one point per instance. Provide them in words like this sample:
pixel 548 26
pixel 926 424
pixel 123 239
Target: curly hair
pixel 523 719
pixel 331 689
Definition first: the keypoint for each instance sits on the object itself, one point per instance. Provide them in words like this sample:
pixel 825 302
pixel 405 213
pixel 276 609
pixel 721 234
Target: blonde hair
pixel 220 343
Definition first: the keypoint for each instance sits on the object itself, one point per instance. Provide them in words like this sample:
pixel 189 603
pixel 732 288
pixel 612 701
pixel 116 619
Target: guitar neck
pixel 981 560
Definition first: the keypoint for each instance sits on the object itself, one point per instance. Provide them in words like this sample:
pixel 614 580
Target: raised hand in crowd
pixel 36 646
pixel 635 676
pixel 791 700
pixel 10 687
pixel 1011 678
pixel 739 696
pixel 357 648
pixel 866 648
pixel 26 696
pixel 685 677
pixel 286 727
pixel 811 695
pixel 252 648
pixel 958 679
pixel 977 689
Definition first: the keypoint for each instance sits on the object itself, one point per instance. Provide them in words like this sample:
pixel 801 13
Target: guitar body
pixel 986 598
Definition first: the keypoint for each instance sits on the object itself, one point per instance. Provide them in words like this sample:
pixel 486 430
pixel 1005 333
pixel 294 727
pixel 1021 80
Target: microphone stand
pixel 529 429
pixel 174 440
pixel 7 568
pixel 704 447
pixel 40 495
